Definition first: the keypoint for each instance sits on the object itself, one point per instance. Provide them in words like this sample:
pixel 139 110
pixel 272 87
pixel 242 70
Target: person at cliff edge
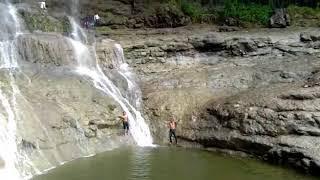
pixel 125 122
pixel 172 130
pixel 43 5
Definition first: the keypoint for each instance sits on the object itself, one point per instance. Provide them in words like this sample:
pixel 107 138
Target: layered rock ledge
pixel 251 91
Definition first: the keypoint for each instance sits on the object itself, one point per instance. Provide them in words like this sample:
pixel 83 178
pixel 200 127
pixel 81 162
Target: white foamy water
pixel 77 32
pixel 134 93
pixel 8 146
pixel 88 66
pixel 9 30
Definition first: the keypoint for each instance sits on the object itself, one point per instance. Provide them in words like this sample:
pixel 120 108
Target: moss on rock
pixel 304 16
pixel 44 22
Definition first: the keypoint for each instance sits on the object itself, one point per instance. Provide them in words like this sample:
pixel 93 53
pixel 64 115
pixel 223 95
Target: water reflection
pixel 140 164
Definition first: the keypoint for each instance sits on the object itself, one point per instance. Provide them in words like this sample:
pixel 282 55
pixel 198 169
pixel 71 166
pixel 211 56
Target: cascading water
pixel 9 30
pixel 15 160
pixel 134 94
pixel 88 66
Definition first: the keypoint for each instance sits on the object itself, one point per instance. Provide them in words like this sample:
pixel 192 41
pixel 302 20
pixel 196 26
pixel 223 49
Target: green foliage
pixel 197 12
pixel 251 12
pixel 45 23
pixel 192 9
pixel 305 12
pixel 304 16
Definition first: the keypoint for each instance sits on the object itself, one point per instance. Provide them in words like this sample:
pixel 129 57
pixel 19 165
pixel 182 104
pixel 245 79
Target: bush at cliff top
pixel 253 13
pixel 192 9
pixel 197 12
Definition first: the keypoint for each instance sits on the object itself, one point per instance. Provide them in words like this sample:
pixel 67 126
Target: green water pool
pixel 168 164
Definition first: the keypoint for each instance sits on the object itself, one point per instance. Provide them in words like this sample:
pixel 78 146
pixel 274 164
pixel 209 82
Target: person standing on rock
pixel 96 19
pixel 125 122
pixel 172 130
pixel 43 5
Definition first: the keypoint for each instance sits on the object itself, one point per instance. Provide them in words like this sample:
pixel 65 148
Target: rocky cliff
pixel 251 91
pixel 60 115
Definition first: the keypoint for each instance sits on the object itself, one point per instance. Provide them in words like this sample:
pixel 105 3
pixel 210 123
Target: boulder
pixel 232 22
pixel 305 37
pixel 208 42
pixel 310 36
pixel 280 19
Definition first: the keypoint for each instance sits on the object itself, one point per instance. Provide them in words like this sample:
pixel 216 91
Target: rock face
pixel 63 117
pixel 60 115
pixel 255 92
pixel 135 13
pixel 45 49
pixel 277 123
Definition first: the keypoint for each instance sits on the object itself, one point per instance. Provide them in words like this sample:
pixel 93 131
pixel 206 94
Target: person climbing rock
pixel 87 22
pixel 90 22
pixel 172 130
pixel 125 122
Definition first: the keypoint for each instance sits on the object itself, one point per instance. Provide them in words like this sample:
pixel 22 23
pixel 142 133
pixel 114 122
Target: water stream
pixel 89 66
pixel 9 156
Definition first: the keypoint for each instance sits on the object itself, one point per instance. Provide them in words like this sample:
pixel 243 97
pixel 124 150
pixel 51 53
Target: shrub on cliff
pixel 37 21
pixel 251 12
pixel 197 12
pixel 167 15
pixel 192 9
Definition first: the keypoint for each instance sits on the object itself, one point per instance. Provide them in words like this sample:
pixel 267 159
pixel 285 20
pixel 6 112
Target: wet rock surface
pixel 249 91
pixel 60 115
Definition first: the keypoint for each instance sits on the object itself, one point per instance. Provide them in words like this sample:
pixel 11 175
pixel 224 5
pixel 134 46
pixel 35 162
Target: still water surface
pixel 168 164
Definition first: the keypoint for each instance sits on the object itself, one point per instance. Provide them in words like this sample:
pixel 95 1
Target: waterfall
pixel 134 92
pixel 15 162
pixel 89 66
pixel 9 30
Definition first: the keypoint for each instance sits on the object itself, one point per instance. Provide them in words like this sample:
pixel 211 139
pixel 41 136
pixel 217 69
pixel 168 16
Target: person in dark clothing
pixel 172 130
pixel 125 122
pixel 88 22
